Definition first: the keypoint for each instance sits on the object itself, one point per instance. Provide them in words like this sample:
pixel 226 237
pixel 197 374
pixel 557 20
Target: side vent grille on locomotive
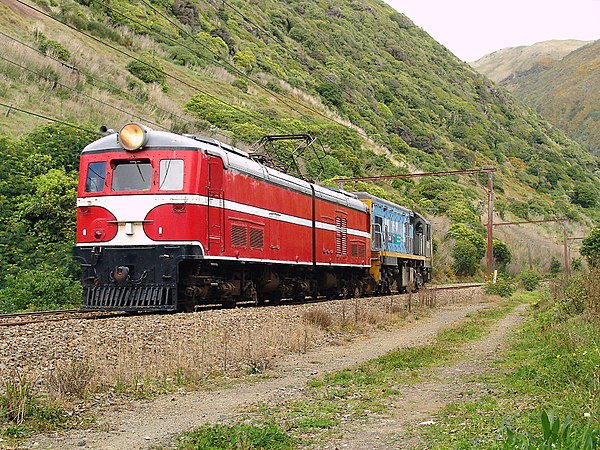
pixel 238 236
pixel 257 240
pixel 341 236
pixel 358 250
pixel 245 236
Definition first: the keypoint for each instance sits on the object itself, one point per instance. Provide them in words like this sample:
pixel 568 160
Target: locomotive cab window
pixel 96 174
pixel 130 175
pixel 171 175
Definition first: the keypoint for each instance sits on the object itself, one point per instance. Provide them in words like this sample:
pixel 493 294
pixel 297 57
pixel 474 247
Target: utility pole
pixel 566 249
pixel 490 225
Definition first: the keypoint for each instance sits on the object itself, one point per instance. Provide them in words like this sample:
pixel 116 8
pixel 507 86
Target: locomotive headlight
pixel 133 136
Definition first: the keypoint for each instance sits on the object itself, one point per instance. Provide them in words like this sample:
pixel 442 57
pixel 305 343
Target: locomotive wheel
pixel 229 303
pixel 275 298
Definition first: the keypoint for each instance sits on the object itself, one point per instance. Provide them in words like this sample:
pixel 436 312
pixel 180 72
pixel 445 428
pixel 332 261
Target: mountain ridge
pixel 509 62
pixel 565 90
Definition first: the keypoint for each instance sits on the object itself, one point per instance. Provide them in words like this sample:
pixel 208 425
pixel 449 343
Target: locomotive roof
pixel 232 158
pixel 383 202
pixel 392 205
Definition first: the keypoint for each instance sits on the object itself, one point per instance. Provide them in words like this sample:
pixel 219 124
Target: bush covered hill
pixel 378 92
pixel 564 90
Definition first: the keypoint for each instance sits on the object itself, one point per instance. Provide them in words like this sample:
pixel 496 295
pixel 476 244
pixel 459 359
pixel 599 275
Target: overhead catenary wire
pixel 231 66
pixel 82 94
pixel 225 65
pixel 109 86
pixel 185 83
pixel 279 42
pixel 52 119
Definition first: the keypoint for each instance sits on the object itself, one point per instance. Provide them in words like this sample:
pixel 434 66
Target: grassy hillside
pixel 567 93
pixel 378 92
pixel 507 63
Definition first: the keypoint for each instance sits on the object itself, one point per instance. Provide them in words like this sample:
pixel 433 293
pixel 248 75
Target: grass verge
pixel 545 391
pixel 23 412
pixel 355 394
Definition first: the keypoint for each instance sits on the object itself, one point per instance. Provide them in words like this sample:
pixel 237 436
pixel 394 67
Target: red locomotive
pixel 168 221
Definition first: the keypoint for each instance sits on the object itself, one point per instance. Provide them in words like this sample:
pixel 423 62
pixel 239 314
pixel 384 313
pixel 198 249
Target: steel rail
pixel 31 317
pixel 47 316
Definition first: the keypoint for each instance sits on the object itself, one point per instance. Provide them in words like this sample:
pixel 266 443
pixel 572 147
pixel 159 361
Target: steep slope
pixel 379 93
pixel 507 63
pixel 567 93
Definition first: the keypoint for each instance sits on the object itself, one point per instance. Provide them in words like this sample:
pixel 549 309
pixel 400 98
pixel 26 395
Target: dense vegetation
pixel 378 92
pixel 38 187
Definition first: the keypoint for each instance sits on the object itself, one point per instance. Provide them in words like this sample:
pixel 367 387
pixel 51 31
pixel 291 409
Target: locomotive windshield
pixel 171 175
pixel 131 175
pixel 96 174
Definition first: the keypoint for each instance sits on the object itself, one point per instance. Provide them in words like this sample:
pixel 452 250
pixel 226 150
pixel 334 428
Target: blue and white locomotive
pixel 401 252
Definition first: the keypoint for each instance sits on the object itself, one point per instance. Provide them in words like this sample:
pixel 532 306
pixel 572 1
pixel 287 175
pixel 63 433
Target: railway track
pixel 454 286
pixel 58 315
pixel 26 318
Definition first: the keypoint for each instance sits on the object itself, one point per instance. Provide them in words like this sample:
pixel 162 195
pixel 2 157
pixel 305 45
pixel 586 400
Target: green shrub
pixel 530 280
pixel 241 84
pixel 461 232
pixel 555 266
pixel 51 47
pixel 245 59
pixel 502 254
pixel 331 93
pixel 466 258
pixel 503 287
pixel 590 247
pixel 39 290
pixel 148 69
pixel 574 297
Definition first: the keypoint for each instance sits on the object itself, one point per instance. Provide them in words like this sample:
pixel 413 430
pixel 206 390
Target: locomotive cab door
pixel 216 205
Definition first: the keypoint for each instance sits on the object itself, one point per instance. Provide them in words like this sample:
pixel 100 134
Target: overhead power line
pixel 82 94
pixel 185 83
pixel 52 119
pixel 277 40
pixel 226 65
pixel 109 86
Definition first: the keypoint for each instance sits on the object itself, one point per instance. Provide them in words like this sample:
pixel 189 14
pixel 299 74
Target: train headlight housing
pixel 133 136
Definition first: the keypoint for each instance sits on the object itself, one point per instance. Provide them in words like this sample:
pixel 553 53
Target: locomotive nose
pixel 121 274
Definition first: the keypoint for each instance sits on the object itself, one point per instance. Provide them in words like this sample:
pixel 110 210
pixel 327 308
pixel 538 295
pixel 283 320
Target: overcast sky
pixel 473 28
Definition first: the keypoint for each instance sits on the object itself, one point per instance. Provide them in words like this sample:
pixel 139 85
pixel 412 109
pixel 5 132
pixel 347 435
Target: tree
pixel 461 232
pixel 555 266
pixel 466 258
pixel 590 248
pixel 502 255
pixel 585 195
pixel 331 93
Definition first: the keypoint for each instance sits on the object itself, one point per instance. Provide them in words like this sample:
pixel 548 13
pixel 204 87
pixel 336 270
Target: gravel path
pixel 145 424
pixel 420 402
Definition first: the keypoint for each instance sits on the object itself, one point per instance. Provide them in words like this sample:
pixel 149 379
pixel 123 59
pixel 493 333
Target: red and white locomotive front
pixel 168 221
pixel 138 211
